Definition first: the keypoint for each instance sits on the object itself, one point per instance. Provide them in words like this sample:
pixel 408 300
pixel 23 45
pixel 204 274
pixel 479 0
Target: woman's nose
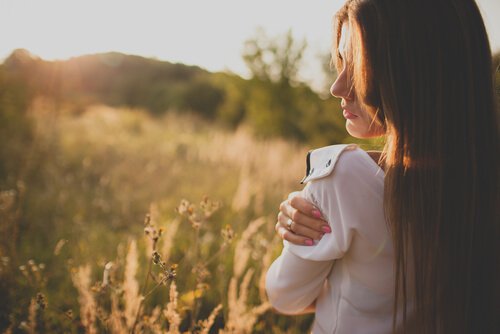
pixel 342 87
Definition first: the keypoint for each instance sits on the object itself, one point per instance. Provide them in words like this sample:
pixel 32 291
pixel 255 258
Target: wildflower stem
pixel 153 289
pixel 196 256
pixel 144 287
pixel 213 257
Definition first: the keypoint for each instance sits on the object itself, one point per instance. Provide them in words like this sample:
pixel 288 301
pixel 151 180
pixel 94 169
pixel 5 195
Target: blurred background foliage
pixel 88 144
pixel 273 101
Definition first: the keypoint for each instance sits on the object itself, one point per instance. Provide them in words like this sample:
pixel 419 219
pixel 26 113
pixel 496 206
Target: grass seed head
pixel 147 219
pixel 156 257
pixel 227 234
pixel 41 301
pixel 69 314
pixel 171 273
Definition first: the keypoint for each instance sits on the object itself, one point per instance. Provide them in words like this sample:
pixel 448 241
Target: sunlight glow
pixel 206 33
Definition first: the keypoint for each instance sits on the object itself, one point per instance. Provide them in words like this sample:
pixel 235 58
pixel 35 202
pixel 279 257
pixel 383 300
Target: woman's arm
pixel 297 277
pixel 293 283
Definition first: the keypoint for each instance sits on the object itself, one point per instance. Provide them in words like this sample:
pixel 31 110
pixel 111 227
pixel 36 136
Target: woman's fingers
pixel 301 204
pixel 300 222
pixel 306 223
pixel 285 234
pixel 303 230
pixel 303 218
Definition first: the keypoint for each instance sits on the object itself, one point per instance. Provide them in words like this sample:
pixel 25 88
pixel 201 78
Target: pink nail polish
pixel 316 213
pixel 326 229
pixel 308 242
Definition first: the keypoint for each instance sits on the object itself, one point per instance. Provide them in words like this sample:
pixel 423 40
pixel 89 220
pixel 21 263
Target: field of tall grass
pixel 119 222
pixel 116 221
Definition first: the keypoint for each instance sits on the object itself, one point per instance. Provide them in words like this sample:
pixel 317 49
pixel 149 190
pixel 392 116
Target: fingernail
pixel 316 213
pixel 326 229
pixel 308 242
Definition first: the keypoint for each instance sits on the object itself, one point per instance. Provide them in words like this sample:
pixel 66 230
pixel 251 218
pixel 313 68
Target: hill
pixel 112 78
pixel 119 80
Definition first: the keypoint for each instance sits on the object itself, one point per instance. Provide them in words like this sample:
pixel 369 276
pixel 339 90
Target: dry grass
pixel 200 268
pixel 81 280
pixel 242 317
pixel 132 297
pixel 167 319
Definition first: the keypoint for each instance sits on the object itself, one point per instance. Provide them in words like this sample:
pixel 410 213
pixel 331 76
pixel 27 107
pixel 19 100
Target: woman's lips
pixel 348 115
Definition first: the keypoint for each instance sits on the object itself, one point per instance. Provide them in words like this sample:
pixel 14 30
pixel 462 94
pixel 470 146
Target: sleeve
pixel 331 196
pixel 293 283
pixel 333 185
pixel 297 276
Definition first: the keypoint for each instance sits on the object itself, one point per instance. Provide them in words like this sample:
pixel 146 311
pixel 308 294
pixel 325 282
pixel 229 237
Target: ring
pixel 289 224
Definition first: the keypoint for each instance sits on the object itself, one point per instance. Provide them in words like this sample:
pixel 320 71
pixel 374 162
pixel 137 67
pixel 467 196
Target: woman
pixel 414 231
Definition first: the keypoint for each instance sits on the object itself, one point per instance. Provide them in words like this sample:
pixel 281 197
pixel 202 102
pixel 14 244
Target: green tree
pixel 278 104
pixel 276 60
pixel 274 64
pixel 16 129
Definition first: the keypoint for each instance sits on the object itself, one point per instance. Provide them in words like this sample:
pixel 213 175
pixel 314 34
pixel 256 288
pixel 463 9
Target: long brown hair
pixel 424 70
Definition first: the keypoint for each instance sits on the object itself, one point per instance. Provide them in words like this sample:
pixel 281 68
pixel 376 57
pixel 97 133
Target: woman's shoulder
pixel 342 162
pixel 346 185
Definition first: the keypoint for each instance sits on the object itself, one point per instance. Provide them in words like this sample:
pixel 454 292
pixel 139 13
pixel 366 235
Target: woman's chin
pixel 356 132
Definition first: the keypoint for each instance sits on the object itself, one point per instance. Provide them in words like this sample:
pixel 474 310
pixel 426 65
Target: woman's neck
pixel 375 155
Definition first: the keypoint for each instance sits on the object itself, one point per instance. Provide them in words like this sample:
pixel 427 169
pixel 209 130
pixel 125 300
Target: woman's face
pixel 359 123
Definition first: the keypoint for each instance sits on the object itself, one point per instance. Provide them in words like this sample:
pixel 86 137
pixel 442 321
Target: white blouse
pixel 349 272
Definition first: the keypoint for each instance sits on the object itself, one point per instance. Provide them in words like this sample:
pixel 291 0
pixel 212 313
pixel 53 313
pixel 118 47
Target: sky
pixel 209 34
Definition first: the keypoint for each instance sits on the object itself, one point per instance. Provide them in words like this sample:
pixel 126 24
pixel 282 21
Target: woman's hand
pixel 300 222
